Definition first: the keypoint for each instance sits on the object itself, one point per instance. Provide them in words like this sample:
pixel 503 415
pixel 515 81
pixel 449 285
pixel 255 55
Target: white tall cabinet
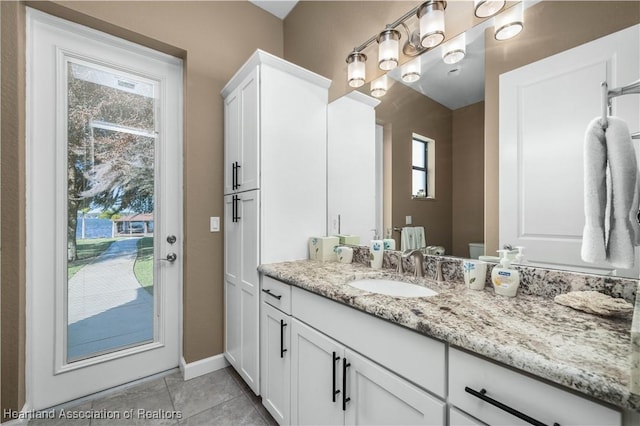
pixel 274 184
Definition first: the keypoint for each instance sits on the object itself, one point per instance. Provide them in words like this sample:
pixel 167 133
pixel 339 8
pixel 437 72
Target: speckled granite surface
pixel 584 352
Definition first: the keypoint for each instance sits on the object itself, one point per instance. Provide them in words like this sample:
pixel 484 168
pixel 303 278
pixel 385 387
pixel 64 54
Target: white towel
pixel 412 238
pixel 610 194
pixel 407 238
pixel 420 239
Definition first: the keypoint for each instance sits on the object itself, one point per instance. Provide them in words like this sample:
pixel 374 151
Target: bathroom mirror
pixel 455 217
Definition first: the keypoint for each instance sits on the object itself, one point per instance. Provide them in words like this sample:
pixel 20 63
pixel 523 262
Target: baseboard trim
pixel 203 366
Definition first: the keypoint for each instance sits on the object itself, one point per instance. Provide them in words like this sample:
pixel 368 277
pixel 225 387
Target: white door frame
pixel 45 255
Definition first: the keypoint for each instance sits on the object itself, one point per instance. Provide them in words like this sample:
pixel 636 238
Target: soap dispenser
pixel 376 250
pixel 389 242
pixel 505 279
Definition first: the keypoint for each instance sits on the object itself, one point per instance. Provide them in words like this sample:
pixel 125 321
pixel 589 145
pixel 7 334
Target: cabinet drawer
pixel 415 357
pixel 276 293
pixel 536 399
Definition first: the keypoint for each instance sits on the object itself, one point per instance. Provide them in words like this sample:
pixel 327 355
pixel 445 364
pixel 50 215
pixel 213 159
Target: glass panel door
pixel 111 137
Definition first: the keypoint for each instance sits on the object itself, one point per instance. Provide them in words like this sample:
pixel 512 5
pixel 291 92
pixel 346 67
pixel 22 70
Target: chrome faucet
pixel 418 261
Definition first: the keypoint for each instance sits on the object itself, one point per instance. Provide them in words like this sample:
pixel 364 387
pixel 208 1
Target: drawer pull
pixel 277 296
pixel 334 391
pixel 345 399
pixel 482 395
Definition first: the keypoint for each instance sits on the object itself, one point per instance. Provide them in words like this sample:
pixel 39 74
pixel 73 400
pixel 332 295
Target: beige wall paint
pixel 550 27
pixel 12 211
pixel 468 178
pixel 207 35
pixel 408 111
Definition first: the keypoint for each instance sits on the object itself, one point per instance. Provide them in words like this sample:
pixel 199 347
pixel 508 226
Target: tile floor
pixel 218 398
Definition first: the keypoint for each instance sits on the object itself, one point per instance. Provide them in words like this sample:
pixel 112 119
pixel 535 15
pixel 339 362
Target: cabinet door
pixel 378 397
pixel 232 312
pixel 315 377
pixel 231 139
pixel 249 149
pixel 249 288
pixel 275 359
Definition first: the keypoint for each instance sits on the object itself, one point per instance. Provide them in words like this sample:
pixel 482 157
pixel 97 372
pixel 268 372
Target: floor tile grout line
pixel 173 405
pixel 214 406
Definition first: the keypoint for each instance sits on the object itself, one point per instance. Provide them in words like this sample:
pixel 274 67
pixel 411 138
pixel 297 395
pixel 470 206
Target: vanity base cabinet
pixel 316 378
pixel 333 385
pixel 417 358
pixel 379 397
pixel 275 357
pixel 475 385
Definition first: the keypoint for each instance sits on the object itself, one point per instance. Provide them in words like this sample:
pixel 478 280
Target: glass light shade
pixel 356 69
pixel 431 15
pixel 509 23
pixel 454 50
pixel 411 70
pixel 388 49
pixel 379 87
pixel 486 8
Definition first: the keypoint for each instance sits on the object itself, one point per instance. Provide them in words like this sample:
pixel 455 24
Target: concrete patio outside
pixel 107 307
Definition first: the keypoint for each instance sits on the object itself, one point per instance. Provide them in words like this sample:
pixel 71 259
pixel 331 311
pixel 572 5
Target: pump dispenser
pixel 389 242
pixel 505 279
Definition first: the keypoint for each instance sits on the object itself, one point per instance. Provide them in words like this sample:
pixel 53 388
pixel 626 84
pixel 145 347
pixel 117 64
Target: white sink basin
pixel 392 288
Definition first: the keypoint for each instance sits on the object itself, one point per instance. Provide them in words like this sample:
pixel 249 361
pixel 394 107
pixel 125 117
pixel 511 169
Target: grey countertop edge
pixel 591 385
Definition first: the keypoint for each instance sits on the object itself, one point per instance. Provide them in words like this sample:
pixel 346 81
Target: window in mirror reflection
pixel 423 167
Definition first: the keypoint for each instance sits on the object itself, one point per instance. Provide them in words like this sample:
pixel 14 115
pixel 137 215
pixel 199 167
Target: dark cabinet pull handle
pixel 334 391
pixel 233 209
pixel 236 217
pixel 233 175
pixel 236 177
pixel 482 395
pixel 345 399
pixel 277 296
pixel 282 349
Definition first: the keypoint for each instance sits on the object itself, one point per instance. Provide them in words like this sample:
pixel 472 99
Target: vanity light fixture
pixel 453 51
pixel 509 23
pixel 486 8
pixel 431 16
pixel 379 86
pixel 388 44
pixel 356 68
pixel 411 70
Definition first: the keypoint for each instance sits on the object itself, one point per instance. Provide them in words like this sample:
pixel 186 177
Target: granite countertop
pixel 583 352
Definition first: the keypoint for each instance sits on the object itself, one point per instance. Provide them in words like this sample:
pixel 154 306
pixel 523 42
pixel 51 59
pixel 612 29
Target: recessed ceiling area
pixel 279 8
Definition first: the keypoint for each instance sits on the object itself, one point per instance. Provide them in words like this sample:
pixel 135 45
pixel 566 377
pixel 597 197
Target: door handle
pixel 171 257
pixel 345 399
pixel 236 177
pixel 282 349
pixel 334 391
pixel 233 175
pixel 233 209
pixel 237 217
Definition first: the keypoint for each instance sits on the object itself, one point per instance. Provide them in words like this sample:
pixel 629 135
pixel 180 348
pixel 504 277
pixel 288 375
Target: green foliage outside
pixel 143 268
pixel 87 251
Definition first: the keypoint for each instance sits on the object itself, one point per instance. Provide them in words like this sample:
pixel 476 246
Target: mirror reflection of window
pixel 423 167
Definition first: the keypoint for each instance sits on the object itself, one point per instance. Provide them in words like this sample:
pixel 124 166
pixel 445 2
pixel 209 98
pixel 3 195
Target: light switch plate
pixel 214 224
pixel 407 220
